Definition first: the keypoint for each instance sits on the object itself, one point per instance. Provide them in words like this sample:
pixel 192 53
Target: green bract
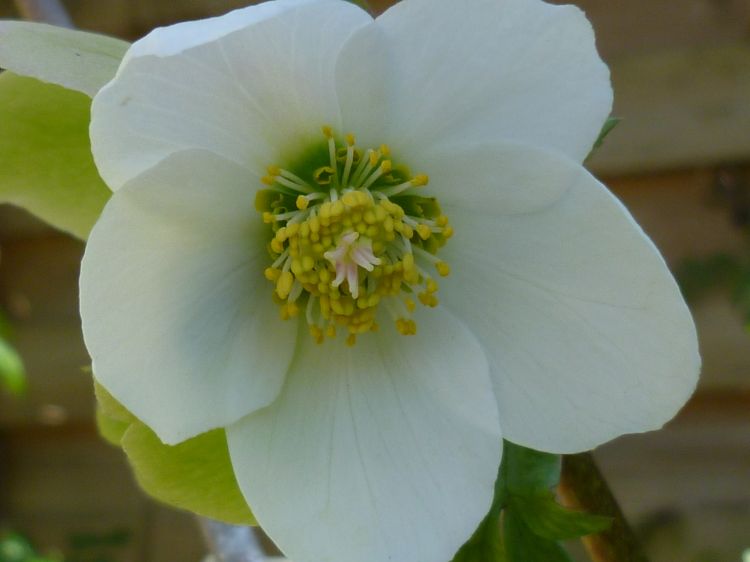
pixel 74 59
pixel 45 154
pixel 195 475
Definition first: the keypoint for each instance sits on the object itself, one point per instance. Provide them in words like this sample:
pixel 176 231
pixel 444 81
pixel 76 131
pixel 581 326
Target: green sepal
pixel 111 429
pixel 195 475
pixel 548 519
pixel 486 544
pixel 77 60
pixel 12 373
pixel 523 545
pixel 46 165
pixel 525 522
pixel 607 128
pixel 528 471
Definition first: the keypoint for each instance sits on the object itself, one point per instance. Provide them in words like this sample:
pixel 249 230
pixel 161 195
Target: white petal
pixel 477 70
pixel 177 315
pixel 586 332
pixel 384 451
pixel 252 86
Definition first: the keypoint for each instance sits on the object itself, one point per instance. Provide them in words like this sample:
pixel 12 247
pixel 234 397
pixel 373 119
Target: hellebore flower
pixel 367 249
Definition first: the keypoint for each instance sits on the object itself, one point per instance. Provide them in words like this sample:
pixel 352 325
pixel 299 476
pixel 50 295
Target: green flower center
pixel 351 234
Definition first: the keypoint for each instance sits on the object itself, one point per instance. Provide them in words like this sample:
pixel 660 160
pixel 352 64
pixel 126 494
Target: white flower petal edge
pixel 176 312
pixel 456 71
pixel 388 450
pixel 266 83
pixel 586 332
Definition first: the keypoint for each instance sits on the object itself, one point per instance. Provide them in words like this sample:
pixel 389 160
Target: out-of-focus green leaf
pixel 14 548
pixel 77 60
pixel 12 374
pixel 45 154
pixel 523 545
pixel 195 475
pixel 547 519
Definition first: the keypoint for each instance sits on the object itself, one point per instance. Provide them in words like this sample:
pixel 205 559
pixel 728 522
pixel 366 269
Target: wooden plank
pixel 680 109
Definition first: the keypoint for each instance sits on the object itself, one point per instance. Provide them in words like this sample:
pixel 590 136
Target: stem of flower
pixel 45 11
pixel 582 486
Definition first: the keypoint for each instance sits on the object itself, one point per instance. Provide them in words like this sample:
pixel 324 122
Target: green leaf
pixel 15 548
pixel 523 545
pixel 486 544
pixel 607 128
pixel 547 519
pixel 12 375
pixel 73 59
pixel 528 471
pixel 195 475
pixel 45 154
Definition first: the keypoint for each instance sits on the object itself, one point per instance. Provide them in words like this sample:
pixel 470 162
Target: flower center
pixel 351 234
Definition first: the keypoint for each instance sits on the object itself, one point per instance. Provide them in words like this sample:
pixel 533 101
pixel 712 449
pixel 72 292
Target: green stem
pixel 583 486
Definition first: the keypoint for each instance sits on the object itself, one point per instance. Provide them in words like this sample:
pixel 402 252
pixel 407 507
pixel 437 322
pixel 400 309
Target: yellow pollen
pixel 443 268
pixel 351 241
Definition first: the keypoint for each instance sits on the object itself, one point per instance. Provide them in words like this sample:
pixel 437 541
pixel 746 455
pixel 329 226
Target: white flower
pixel 558 323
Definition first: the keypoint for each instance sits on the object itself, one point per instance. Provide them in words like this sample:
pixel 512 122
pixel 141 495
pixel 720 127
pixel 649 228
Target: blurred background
pixel 680 161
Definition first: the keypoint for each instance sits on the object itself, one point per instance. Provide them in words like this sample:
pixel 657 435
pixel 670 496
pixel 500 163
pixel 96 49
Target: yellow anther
pixel 308 263
pixel 291 230
pixel 443 268
pixel 424 231
pixel 284 284
pixel 431 286
pixel 337 208
pixel 313 223
pixel 323 175
pixel 277 246
pixel 272 274
pixel 350 199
